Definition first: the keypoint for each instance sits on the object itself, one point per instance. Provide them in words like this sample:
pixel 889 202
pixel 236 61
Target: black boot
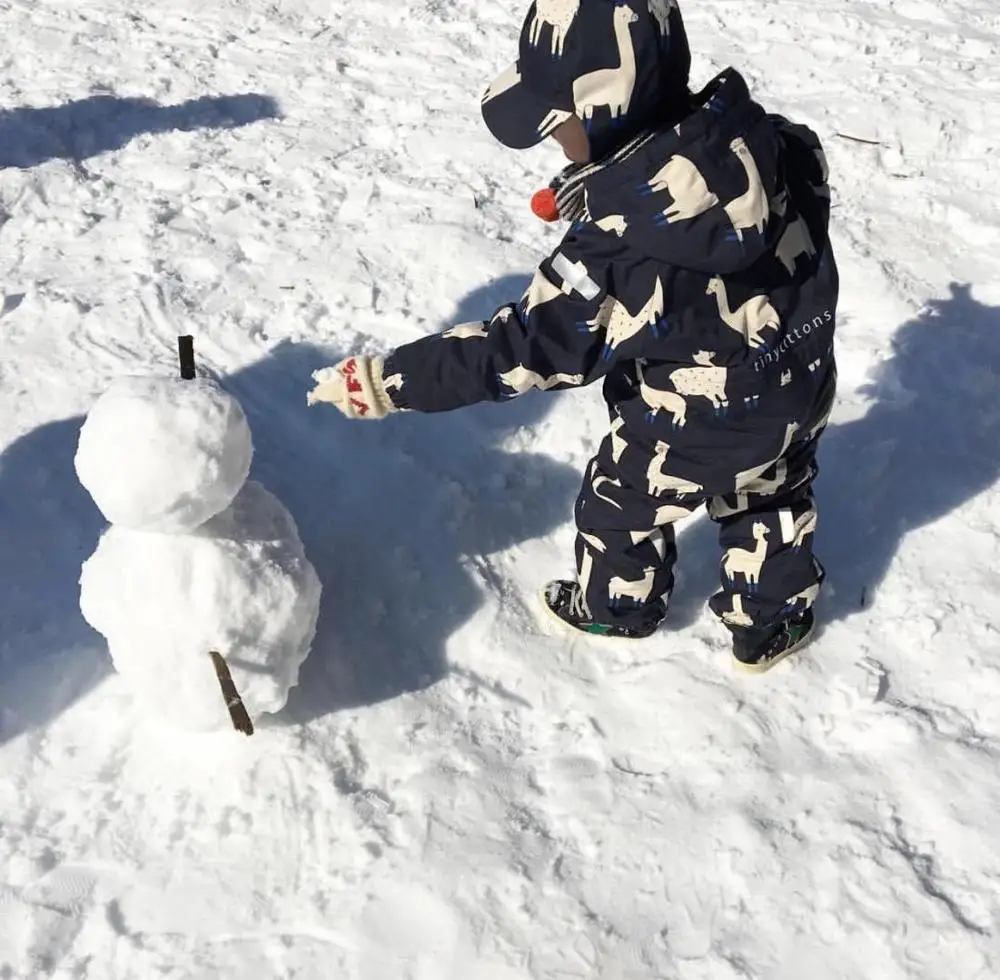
pixel 564 600
pixel 760 649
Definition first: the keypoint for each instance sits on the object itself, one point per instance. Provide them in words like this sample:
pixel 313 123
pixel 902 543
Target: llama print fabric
pixel 701 289
pixel 625 548
pixel 700 286
pixel 613 64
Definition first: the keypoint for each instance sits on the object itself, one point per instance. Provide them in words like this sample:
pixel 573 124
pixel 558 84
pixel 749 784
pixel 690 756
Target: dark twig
pixel 237 710
pixel 185 354
pixel 859 139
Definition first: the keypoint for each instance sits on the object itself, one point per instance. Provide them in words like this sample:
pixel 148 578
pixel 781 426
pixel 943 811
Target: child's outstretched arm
pixel 567 331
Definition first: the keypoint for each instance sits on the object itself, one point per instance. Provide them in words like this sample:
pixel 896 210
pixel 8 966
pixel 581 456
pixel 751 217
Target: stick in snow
pixel 237 710
pixel 185 354
pixel 859 139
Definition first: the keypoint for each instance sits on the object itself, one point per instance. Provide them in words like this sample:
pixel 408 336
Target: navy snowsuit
pixel 702 288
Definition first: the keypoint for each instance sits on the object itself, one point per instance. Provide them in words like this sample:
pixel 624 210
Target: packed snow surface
pixel 240 585
pixel 163 454
pixel 456 790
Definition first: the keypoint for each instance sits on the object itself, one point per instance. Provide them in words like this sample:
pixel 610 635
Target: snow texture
pixel 240 585
pixel 456 790
pixel 162 454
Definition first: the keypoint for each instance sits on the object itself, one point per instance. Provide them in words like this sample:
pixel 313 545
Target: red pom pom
pixel 543 203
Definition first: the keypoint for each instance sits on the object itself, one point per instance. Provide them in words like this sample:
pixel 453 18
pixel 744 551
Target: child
pixel 697 280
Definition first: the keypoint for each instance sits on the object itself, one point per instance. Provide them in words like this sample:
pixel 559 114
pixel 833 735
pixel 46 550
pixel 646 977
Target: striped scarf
pixel 569 184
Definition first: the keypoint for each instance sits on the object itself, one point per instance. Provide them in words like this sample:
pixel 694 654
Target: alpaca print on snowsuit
pixel 626 551
pixel 701 287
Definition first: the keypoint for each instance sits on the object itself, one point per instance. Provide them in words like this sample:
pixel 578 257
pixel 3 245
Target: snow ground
pixel 455 791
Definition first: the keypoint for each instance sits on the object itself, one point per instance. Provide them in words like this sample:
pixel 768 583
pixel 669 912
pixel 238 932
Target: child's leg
pixel 625 550
pixel 768 569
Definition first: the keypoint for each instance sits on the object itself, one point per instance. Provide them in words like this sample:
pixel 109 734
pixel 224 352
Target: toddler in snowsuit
pixel 698 281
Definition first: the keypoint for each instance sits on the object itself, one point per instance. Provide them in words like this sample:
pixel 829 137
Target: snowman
pixel 200 585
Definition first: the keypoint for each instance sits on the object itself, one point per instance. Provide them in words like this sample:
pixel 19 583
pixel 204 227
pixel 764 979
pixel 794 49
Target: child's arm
pixel 568 330
pixel 555 337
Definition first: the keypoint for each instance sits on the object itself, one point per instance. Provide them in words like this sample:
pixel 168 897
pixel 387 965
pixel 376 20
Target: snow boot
pixel 758 650
pixel 565 602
